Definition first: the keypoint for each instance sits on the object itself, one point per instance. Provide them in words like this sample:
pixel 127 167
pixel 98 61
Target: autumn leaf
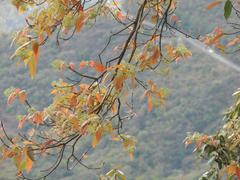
pixel 118 83
pixel 233 42
pixel 21 123
pixel 79 22
pixel 84 127
pixel 97 136
pixel 22 96
pixel 35 48
pixel 213 4
pixel 29 164
pixel 32 68
pixel 99 67
pixel 41 38
pixel 120 16
pixel 74 122
pixel 155 56
pixel 82 64
pixel 231 169
pixel 73 101
pixel 92 64
pixel 39 117
pixel 11 98
pixel 71 66
pixel 150 104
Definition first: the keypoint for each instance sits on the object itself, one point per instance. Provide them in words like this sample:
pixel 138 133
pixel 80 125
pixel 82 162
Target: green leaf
pixel 227 9
pixel 8 91
pixel 58 64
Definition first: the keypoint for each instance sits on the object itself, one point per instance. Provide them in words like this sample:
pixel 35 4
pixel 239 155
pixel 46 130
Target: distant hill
pixel 200 89
pixel 9 18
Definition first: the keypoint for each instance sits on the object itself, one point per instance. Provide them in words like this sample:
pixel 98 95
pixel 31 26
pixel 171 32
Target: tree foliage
pixel 94 105
pixel 221 149
pixel 98 103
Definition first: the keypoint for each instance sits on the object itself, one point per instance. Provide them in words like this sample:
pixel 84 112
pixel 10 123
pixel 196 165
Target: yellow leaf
pixel 21 10
pixel 32 68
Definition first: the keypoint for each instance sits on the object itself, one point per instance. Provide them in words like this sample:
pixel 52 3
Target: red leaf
pixel 92 64
pixel 39 117
pixel 71 66
pixel 99 67
pixel 82 64
pixel 20 125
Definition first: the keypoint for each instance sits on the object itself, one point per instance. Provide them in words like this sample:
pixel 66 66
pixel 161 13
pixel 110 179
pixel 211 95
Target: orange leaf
pixel 99 97
pixel 82 64
pixel 18 160
pixel 20 125
pixel 216 38
pixel 155 56
pixel 174 18
pixel 40 38
pixel 22 96
pixel 118 83
pixel 35 48
pixel 11 98
pixel 79 22
pixel 74 122
pixel 99 67
pixel 114 108
pixel 73 101
pixel 231 169
pixel 39 117
pixel 213 4
pixel 84 126
pixel 233 42
pixel 97 137
pixel 150 104
pixel 29 164
pixel 120 16
pixel 90 100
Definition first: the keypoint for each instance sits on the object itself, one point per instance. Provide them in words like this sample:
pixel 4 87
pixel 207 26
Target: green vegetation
pixel 199 91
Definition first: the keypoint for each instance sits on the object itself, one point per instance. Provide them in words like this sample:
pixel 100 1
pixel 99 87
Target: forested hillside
pixel 199 91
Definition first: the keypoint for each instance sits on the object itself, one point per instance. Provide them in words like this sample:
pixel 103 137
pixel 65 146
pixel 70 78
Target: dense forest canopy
pixel 99 89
